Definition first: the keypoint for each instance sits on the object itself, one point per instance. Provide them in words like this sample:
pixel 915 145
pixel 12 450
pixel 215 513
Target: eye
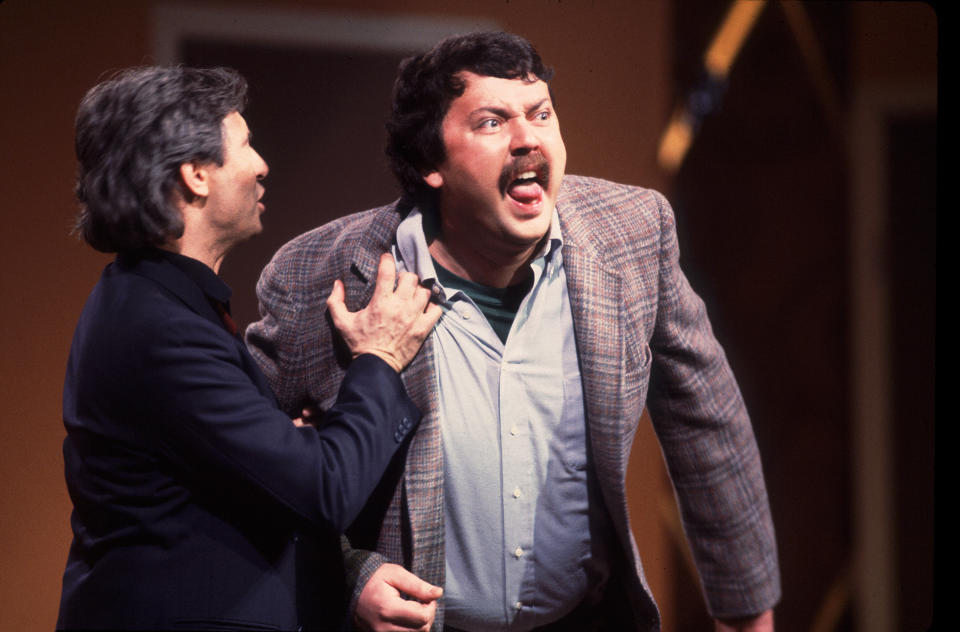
pixel 543 115
pixel 490 123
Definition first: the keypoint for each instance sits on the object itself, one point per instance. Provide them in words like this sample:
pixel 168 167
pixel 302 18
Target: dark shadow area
pixel 761 204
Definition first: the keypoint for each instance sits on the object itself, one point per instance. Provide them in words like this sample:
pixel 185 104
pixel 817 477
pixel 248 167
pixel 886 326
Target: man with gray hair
pixel 198 504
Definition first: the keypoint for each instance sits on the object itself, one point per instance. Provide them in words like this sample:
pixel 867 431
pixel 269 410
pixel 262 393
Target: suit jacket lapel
pixel 373 240
pixel 596 303
pixel 420 497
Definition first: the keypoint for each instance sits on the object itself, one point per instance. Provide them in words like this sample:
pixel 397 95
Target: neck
pixel 491 267
pixel 198 241
pixel 203 255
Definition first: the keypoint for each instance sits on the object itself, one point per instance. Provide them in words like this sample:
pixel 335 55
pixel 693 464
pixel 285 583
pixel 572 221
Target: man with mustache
pixel 565 314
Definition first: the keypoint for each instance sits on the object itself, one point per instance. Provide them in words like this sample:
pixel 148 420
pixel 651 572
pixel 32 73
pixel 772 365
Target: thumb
pixel 336 305
pixel 386 274
pixel 406 582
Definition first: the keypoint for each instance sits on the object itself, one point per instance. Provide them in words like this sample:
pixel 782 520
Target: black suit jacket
pixel 197 503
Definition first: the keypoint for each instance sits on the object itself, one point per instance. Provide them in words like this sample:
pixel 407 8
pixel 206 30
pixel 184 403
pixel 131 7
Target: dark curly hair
pixel 426 85
pixel 133 132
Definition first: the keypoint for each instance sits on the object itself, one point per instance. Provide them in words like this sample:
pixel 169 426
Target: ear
pixel 434 179
pixel 196 177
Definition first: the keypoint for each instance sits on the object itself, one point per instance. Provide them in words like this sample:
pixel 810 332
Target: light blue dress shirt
pixel 519 551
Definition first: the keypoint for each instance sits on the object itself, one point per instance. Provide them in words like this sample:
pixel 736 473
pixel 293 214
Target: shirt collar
pixel 412 250
pixel 206 279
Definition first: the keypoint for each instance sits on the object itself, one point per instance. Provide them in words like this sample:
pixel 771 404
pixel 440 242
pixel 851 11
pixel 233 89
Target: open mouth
pixel 525 183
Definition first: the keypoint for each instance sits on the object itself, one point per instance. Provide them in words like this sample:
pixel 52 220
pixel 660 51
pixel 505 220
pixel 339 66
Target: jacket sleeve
pixel 199 403
pixel 359 565
pixel 708 443
pixel 292 342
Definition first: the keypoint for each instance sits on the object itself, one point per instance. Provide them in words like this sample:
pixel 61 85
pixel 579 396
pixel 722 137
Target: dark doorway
pixel 317 116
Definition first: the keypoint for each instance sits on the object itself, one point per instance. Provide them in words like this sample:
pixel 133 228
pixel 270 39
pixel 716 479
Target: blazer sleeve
pixel 294 346
pixel 201 406
pixel 294 342
pixel 288 340
pixel 359 567
pixel 708 443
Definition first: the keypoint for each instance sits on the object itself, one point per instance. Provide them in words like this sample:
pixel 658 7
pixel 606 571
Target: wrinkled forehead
pixel 486 91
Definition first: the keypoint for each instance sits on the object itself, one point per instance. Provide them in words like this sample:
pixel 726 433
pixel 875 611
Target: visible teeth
pixel 527 175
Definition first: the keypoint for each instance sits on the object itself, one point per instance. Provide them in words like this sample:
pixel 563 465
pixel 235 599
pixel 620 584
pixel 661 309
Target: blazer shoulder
pixel 127 303
pixel 587 194
pixel 129 322
pixel 607 213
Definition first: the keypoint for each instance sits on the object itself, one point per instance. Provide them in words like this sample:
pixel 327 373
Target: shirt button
pixel 516 492
pixel 518 552
pixel 466 315
pixel 514 430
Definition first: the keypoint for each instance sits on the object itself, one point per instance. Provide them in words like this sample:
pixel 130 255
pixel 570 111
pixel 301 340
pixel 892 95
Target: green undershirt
pixel 498 305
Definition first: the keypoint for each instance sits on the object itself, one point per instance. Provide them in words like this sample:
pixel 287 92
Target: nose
pixel 263 169
pixel 524 139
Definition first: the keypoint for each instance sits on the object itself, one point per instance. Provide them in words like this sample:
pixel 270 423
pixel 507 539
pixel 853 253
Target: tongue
pixel 526 193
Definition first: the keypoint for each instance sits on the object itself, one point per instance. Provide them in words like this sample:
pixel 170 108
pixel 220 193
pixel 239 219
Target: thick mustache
pixel 535 162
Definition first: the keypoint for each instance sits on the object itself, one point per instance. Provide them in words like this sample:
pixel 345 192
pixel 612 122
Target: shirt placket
pixel 520 491
pixel 519 488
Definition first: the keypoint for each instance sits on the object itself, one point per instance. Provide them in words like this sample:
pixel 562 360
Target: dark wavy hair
pixel 426 84
pixel 133 132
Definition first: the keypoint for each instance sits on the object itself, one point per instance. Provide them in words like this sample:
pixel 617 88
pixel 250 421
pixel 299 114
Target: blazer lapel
pixel 596 303
pixel 373 239
pixel 420 499
pixel 423 479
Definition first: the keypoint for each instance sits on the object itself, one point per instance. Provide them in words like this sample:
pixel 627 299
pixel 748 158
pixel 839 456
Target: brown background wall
pixel 616 82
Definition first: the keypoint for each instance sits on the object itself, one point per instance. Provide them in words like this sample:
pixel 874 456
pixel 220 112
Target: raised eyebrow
pixel 489 109
pixel 504 113
pixel 538 105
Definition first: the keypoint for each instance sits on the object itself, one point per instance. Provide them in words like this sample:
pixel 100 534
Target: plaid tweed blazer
pixel 643 339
